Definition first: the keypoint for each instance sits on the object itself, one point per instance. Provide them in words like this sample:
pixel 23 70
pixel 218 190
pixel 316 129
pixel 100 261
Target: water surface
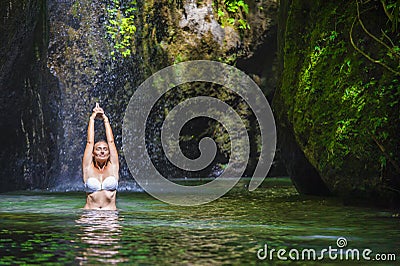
pixel 51 228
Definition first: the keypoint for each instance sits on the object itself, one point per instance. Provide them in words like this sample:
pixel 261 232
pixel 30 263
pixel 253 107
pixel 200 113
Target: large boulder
pixel 338 98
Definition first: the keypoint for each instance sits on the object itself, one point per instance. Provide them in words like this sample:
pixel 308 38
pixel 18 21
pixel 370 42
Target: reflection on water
pixel 100 232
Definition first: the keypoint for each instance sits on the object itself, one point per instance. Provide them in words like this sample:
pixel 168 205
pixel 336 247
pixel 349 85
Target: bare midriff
pixel 101 200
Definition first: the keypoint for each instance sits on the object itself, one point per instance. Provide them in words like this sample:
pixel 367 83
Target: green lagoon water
pixel 51 229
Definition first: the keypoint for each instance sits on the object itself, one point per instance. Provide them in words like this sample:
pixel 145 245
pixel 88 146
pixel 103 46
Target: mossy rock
pixel 342 107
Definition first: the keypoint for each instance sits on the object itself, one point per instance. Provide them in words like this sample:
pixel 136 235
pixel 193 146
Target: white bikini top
pixel 93 184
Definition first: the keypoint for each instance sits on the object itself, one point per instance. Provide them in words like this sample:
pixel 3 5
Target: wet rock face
pixel 56 63
pixel 191 30
pixel 29 99
pixel 201 21
pixel 77 53
pixel 303 174
pixel 80 58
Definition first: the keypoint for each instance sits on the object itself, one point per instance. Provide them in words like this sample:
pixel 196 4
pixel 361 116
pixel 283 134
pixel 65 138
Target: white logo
pixel 329 253
pixel 341 242
pixel 153 88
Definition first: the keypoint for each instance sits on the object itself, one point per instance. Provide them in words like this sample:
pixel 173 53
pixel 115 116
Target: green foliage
pixel 392 10
pixel 121 28
pixel 233 13
pixel 179 58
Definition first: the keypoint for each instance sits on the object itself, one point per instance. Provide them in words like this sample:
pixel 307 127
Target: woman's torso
pixel 101 187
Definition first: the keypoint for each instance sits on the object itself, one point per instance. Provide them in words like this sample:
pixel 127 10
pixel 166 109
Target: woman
pixel 100 166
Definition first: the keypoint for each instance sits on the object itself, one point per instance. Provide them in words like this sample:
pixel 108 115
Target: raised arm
pixel 87 155
pixel 111 143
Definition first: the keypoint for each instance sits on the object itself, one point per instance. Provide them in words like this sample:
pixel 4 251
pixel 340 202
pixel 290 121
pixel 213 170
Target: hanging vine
pixel 393 51
pixel 392 11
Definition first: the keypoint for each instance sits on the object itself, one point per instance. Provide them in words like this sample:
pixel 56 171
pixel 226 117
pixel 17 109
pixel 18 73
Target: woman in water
pixel 100 166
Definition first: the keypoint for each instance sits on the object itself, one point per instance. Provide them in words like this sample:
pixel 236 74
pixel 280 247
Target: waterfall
pixel 58 62
pixel 80 58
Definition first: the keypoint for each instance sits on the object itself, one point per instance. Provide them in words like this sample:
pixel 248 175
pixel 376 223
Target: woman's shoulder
pixel 112 165
pixel 88 171
pixel 113 170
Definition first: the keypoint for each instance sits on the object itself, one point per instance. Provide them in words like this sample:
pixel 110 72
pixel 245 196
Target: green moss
pixel 342 106
pixel 232 13
pixel 121 27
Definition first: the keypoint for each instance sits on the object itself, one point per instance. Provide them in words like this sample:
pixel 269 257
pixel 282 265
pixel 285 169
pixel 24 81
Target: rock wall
pixel 338 98
pixel 29 98
pixel 57 61
pixel 80 58
pixel 193 30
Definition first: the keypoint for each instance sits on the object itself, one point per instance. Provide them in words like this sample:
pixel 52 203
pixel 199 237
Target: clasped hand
pixel 98 113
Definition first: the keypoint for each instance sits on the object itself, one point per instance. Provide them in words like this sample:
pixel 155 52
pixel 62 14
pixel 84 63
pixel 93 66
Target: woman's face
pixel 101 153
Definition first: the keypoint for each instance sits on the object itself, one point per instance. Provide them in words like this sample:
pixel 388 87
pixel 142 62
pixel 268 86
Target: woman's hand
pixel 98 113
